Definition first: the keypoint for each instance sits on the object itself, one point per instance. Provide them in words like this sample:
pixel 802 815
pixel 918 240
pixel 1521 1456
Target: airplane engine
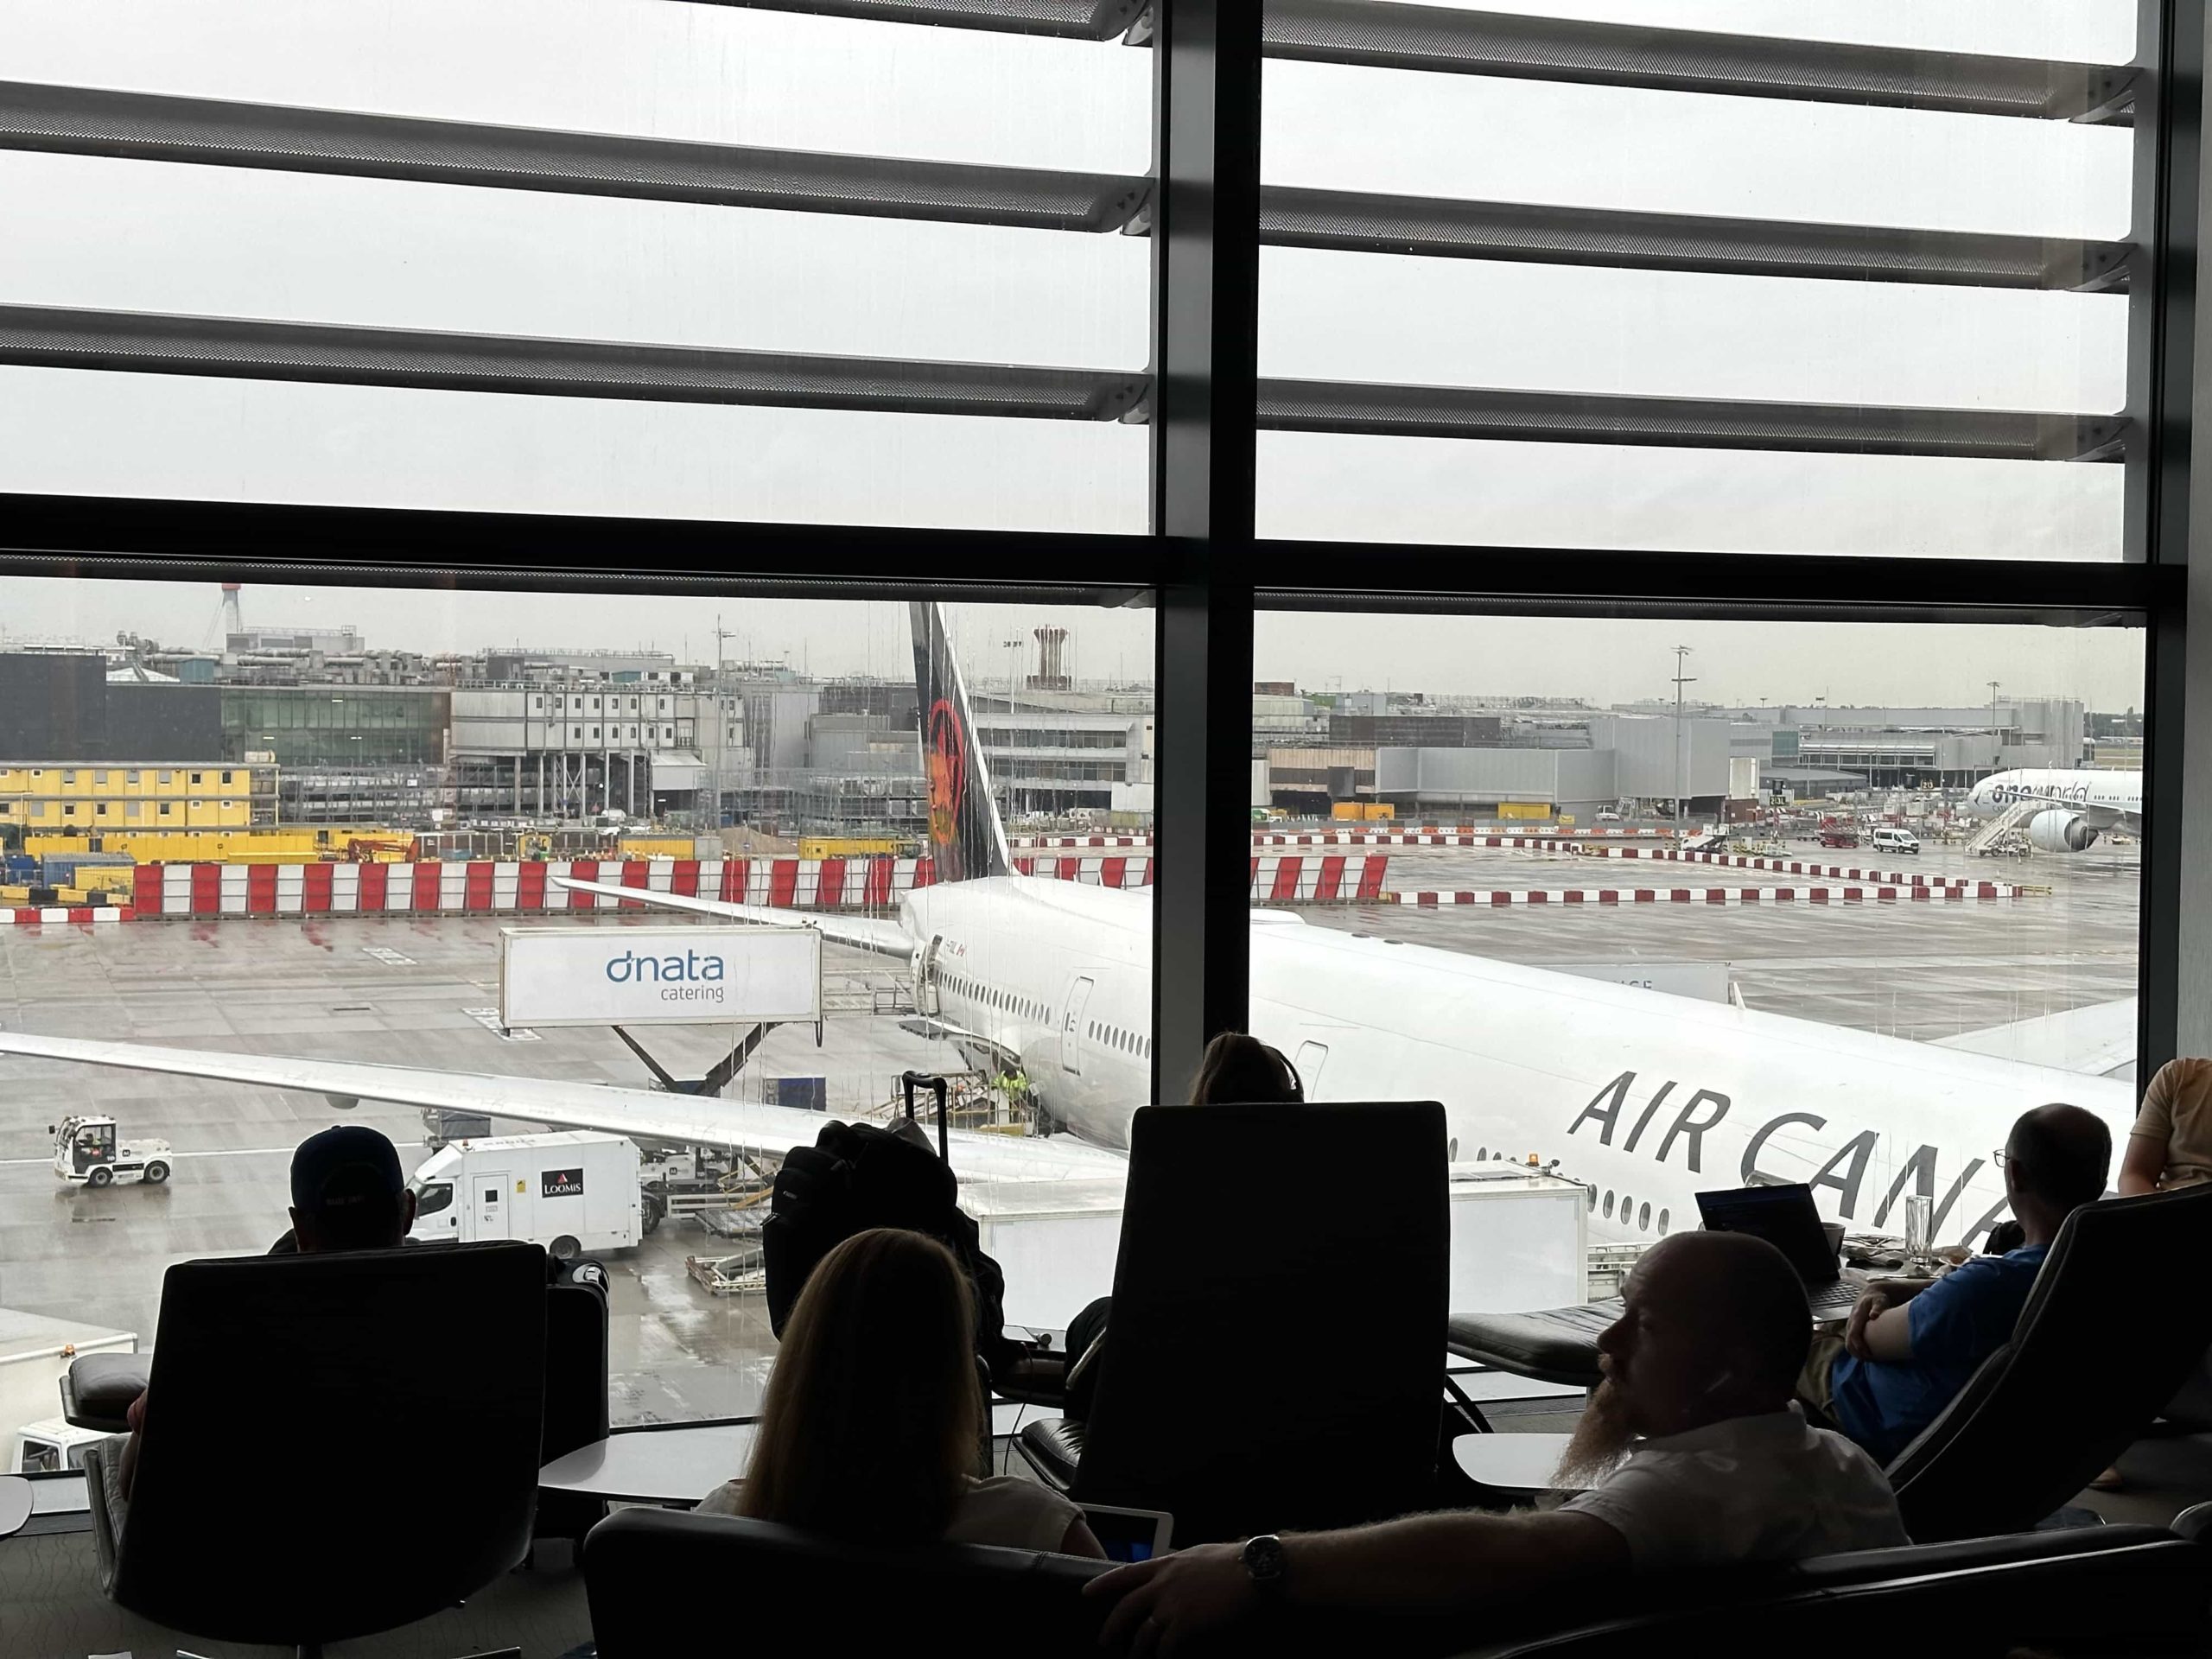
pixel 2059 831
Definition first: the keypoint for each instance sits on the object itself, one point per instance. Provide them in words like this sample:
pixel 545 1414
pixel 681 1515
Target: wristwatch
pixel 1263 1558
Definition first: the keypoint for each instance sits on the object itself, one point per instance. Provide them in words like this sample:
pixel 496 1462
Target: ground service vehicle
pixel 1836 833
pixel 572 1192
pixel 1896 841
pixel 86 1149
pixel 35 1355
pixel 51 1445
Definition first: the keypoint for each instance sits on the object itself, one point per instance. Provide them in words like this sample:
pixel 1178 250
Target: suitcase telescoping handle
pixel 917 1079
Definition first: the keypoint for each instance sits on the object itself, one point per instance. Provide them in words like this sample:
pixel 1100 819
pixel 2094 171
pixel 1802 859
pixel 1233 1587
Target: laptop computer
pixel 1785 1218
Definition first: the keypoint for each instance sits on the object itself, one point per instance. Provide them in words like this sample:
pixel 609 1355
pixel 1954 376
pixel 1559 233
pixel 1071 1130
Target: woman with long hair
pixel 875 1411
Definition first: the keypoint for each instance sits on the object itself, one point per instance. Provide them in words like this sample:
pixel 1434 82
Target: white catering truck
pixel 572 1192
pixel 36 1351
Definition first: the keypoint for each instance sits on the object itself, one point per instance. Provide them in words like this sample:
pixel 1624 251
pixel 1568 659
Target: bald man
pixel 1912 1343
pixel 1693 1453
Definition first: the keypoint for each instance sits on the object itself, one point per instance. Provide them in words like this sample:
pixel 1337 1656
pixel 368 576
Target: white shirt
pixel 1012 1513
pixel 1770 1488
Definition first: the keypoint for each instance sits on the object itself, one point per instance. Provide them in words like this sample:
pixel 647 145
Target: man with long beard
pixel 1691 1449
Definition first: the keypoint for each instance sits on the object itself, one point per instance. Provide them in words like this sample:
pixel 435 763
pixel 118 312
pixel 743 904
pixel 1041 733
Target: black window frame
pixel 1202 569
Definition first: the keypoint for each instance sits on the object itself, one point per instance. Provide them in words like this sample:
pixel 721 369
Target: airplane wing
pixel 885 938
pixel 2098 1041
pixel 684 1120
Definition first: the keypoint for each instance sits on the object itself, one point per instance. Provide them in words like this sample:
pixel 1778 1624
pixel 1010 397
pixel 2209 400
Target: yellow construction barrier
pixel 659 846
pixel 72 897
pixel 214 846
pixel 852 846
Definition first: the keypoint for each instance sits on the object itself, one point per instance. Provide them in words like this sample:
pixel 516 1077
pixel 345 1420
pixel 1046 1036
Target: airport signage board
pixel 677 976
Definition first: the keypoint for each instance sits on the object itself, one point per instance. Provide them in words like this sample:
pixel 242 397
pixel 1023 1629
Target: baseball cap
pixel 342 1166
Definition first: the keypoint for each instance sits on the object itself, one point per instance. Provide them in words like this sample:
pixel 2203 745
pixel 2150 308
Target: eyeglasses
pixel 2001 1158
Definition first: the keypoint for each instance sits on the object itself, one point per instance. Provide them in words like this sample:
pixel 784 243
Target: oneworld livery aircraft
pixel 1643 1097
pixel 2076 807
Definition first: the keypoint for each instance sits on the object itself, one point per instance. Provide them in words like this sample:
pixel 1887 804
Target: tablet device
pixel 1129 1534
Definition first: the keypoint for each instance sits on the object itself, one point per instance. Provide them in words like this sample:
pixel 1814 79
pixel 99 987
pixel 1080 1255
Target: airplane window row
pixel 1006 1001
pixel 1128 1042
pixel 1629 1214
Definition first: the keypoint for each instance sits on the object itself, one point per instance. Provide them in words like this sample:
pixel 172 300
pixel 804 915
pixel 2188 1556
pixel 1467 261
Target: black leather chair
pixel 1214 1261
pixel 1552 1345
pixel 663 1583
pixel 97 1389
pixel 2117 1318
pixel 334 1445
pixel 576 1412
pixel 2106 1590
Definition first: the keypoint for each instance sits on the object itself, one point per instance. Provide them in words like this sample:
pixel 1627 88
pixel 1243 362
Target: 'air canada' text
pixel 1687 1119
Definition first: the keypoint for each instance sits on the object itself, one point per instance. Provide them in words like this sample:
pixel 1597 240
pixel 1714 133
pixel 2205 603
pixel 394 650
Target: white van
pixel 1894 841
pixel 51 1445
pixel 572 1192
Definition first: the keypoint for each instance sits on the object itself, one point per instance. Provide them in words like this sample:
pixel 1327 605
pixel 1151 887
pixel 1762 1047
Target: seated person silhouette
pixel 1235 1070
pixel 1691 1449
pixel 347 1194
pixel 874 1412
pixel 2170 1143
pixel 1911 1344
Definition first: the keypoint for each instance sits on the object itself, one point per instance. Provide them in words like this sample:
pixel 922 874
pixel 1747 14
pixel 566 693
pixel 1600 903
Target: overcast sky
pixel 127 235
pixel 1602 660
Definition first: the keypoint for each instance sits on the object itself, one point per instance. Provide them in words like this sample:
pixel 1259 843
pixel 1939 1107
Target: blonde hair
pixel 873 1411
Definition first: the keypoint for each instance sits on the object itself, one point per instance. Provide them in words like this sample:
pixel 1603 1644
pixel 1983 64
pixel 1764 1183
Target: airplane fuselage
pixel 2103 800
pixel 1645 1098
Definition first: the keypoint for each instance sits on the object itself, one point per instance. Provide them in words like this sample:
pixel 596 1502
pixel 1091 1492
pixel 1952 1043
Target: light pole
pixel 1681 655
pixel 1996 734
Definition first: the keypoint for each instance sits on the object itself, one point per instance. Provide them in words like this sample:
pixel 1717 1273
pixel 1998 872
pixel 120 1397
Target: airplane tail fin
pixel 966 838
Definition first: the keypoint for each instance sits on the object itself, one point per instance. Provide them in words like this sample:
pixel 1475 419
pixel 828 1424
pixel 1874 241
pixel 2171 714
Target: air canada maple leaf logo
pixel 948 761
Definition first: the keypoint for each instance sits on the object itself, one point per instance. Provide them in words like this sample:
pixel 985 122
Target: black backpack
pixel 854 1177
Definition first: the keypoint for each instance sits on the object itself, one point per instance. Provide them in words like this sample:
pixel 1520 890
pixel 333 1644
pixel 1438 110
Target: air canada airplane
pixel 1645 1098
pixel 2077 806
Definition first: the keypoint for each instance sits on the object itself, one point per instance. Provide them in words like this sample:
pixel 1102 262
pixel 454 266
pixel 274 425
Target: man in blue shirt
pixel 1911 1344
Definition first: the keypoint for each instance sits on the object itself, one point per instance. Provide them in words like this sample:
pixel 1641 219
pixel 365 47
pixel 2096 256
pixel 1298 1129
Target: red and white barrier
pixel 1092 870
pixel 489 888
pixel 1783 866
pixel 1277 878
pixel 1466 834
pixel 484 887
pixel 1560 838
pixel 1502 896
pixel 41 915
pixel 1329 878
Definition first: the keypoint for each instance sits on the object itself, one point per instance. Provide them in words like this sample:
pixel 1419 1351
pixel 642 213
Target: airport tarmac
pixel 395 989
pixel 1922 970
pixel 401 989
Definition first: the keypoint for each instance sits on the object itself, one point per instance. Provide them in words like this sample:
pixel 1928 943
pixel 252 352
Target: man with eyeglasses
pixel 1911 1344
